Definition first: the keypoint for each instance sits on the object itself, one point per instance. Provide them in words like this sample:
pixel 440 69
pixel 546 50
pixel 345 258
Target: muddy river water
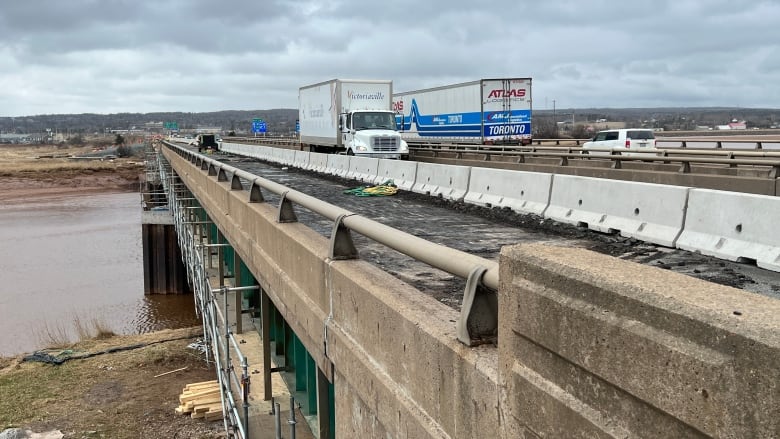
pixel 70 262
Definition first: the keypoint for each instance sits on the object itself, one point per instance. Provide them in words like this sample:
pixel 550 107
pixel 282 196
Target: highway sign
pixel 259 126
pixel 174 126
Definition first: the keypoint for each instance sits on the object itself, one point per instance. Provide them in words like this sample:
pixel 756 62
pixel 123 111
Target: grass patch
pixel 115 395
pixel 25 392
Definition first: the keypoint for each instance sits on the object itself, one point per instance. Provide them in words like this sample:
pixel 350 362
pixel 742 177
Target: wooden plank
pixel 202 383
pixel 194 396
pixel 196 391
pixel 205 401
pixel 171 371
pixel 200 386
pixel 213 416
pixel 208 408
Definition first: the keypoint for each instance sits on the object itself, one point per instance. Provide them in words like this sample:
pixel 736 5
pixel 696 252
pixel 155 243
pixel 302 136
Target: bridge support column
pixel 325 404
pixel 265 309
pixel 164 272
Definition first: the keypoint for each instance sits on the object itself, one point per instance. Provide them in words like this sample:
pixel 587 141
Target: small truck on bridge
pixel 352 117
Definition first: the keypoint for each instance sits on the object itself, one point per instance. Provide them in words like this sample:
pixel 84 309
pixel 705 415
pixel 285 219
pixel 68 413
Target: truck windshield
pixel 373 121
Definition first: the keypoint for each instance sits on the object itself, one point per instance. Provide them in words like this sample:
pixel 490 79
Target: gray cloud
pixel 106 56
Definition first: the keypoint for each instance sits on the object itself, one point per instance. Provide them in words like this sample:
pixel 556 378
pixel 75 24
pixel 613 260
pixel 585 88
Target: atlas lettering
pixel 510 93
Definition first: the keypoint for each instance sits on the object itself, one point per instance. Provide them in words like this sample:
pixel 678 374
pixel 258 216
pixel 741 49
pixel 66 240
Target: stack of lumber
pixel 201 400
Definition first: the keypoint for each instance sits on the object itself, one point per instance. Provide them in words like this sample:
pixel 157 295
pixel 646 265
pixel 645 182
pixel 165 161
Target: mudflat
pixel 47 170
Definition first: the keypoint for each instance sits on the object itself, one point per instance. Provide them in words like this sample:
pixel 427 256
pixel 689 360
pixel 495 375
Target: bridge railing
pixel 477 322
pixel 721 142
pixel 767 159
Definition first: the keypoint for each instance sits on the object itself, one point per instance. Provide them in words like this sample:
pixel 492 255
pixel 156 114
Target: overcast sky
pixel 110 56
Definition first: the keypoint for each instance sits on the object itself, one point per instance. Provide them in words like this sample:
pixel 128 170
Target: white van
pixel 622 140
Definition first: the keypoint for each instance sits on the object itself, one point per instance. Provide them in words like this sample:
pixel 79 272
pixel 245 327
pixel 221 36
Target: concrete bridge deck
pixel 588 345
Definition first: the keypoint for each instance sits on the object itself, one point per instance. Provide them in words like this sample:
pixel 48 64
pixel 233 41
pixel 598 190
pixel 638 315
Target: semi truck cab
pixel 372 133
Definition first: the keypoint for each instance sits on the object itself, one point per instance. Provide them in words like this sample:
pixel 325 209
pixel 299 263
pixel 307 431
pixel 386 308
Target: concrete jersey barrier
pixel 446 181
pixel 338 165
pixel 301 159
pixel 523 192
pixel 733 226
pixel 646 211
pixel 401 172
pixel 318 162
pixel 233 148
pixel 363 168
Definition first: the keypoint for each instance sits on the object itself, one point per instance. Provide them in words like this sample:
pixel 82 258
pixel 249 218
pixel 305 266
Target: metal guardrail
pixel 478 318
pixel 661 142
pixel 770 160
pixel 218 336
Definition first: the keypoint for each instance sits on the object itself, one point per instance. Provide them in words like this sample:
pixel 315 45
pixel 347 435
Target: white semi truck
pixel 486 111
pixel 354 117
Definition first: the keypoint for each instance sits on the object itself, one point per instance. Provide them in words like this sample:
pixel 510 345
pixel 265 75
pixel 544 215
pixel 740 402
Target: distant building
pixel 738 125
pixel 207 129
pixel 17 138
pixel 153 127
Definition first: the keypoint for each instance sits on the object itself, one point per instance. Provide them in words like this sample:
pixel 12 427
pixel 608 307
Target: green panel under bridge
pixel 301 374
pixel 250 300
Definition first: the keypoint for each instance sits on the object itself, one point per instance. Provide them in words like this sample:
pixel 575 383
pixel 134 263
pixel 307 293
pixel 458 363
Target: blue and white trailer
pixel 486 111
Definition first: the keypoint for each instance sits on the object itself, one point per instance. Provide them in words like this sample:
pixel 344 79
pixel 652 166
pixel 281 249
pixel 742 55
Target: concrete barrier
pixel 594 346
pixel 338 165
pixel 401 172
pixel 446 181
pixel 301 159
pixel 255 151
pixel 363 168
pixel 646 211
pixel 233 148
pixel 318 162
pixel 523 192
pixel 259 152
pixel 288 156
pixel 278 155
pixel 733 226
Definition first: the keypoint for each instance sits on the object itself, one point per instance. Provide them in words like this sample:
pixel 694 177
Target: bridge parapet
pixel 609 348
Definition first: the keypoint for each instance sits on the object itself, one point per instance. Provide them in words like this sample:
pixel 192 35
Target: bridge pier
pixel 164 272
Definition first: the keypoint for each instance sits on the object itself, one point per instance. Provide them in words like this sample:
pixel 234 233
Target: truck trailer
pixel 206 141
pixel 350 116
pixel 486 111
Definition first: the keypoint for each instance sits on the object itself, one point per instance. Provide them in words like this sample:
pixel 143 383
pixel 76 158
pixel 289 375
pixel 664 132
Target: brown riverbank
pixel 31 171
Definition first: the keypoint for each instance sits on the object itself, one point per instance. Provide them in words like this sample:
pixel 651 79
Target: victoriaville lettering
pixel 378 96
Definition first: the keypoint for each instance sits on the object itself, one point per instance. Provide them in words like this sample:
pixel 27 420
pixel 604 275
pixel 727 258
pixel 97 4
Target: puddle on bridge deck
pixel 69 258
